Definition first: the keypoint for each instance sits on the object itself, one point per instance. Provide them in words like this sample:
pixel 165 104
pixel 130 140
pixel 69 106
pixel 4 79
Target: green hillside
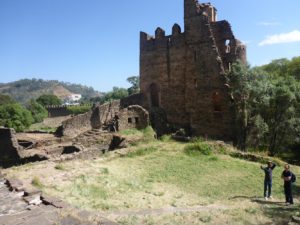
pixel 26 89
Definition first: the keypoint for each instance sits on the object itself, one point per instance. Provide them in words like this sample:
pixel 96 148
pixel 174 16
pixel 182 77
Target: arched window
pixel 216 100
pixel 154 95
pixel 227 46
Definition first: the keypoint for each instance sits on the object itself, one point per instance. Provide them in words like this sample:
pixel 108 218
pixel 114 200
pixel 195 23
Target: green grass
pixel 60 166
pixel 198 148
pixel 36 182
pixel 141 151
pixel 165 173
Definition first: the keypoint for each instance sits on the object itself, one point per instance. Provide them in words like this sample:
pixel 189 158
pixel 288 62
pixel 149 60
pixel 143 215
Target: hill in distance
pixel 26 89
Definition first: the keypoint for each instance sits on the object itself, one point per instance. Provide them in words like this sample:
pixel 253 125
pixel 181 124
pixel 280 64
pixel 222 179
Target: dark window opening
pixel 154 95
pixel 137 120
pixel 216 99
pixel 195 56
pixel 129 120
pixel 196 83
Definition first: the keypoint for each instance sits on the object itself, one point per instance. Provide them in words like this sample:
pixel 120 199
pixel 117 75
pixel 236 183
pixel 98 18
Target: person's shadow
pixel 258 200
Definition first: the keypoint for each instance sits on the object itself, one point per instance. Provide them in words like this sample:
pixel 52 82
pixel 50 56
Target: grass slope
pixel 162 174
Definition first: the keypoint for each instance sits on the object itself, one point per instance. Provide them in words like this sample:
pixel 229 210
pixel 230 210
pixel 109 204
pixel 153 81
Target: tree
pixel 15 116
pixel 38 112
pixel 294 68
pixel 282 114
pixel 48 99
pixel 278 67
pixel 239 83
pixel 5 99
pixel 115 94
pixel 135 85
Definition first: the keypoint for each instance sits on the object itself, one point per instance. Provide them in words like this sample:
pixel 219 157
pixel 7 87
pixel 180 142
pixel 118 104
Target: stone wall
pixel 108 111
pixel 184 73
pixel 77 125
pixel 9 147
pixel 57 111
pixel 104 116
pixel 133 116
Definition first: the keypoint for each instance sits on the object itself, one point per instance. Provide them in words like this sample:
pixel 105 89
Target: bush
pixel 165 138
pixel 79 109
pixel 36 182
pixel 198 148
pixel 47 99
pixel 15 116
pixel 38 112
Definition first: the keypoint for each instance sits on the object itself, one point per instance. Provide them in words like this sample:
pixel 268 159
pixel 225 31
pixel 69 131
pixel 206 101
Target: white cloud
pixel 268 24
pixel 290 37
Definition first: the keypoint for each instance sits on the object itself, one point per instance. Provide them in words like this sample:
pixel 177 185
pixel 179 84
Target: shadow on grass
pixel 277 211
pixel 258 200
pixel 280 214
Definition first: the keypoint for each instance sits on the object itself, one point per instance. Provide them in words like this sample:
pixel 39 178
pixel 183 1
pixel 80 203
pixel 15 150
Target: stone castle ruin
pixel 184 73
pixel 183 85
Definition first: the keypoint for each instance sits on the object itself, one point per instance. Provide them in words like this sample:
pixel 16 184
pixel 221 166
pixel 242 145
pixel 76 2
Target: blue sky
pixel 96 42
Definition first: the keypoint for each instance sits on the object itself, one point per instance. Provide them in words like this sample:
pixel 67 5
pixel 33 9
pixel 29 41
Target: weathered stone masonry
pixel 184 73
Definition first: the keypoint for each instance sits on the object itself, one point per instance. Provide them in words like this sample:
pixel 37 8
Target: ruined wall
pixel 76 125
pixel 9 147
pixel 57 111
pixel 135 99
pixel 184 73
pixel 103 116
pixel 134 116
pixel 108 111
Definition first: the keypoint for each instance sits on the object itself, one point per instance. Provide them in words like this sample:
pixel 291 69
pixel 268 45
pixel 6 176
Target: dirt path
pixel 166 210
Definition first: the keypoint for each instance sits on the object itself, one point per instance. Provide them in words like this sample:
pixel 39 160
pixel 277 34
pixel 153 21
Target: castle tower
pixel 184 73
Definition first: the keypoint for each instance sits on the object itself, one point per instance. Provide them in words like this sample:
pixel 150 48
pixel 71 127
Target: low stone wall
pixel 76 125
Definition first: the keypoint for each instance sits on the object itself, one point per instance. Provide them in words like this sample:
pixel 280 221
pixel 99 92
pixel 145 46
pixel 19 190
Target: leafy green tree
pixel 48 99
pixel 115 94
pixel 239 82
pixel 5 99
pixel 15 116
pixel 38 112
pixel 135 85
pixel 294 68
pixel 278 67
pixel 282 114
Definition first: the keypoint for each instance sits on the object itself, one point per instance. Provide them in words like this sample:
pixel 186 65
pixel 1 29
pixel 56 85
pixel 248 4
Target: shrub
pixel 60 167
pixel 198 148
pixel 15 116
pixel 79 109
pixel 165 138
pixel 37 183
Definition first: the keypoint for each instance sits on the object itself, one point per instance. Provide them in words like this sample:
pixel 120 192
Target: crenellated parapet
pixel 160 40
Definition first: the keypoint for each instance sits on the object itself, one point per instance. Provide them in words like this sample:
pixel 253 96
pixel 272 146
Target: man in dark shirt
pixel 268 179
pixel 287 177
